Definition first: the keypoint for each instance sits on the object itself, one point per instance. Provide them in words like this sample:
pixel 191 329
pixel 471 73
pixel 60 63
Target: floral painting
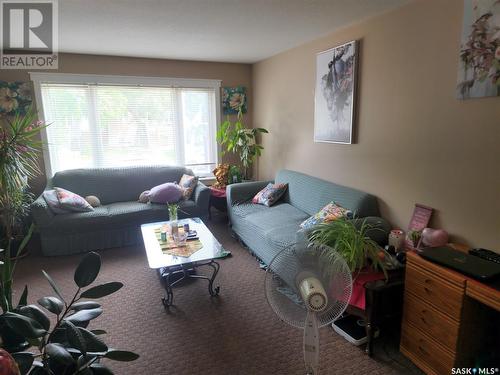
pixel 335 94
pixel 233 98
pixel 15 97
pixel 479 66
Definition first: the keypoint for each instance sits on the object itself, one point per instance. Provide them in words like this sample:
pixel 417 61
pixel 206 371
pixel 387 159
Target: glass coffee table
pixel 173 268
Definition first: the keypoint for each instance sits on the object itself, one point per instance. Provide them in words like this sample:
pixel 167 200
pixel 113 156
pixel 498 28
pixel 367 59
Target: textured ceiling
pixel 211 30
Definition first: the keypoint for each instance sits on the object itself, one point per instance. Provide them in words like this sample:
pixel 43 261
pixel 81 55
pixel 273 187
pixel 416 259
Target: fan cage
pixel 281 283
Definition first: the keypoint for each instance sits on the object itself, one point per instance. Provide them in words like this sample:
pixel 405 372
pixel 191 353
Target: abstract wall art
pixel 335 94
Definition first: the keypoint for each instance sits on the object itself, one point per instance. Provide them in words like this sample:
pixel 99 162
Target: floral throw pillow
pixel 270 194
pixel 72 201
pixel 330 212
pixel 187 184
pixel 50 197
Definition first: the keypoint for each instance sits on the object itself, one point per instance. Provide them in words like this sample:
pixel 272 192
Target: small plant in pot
pixel 67 347
pixel 352 243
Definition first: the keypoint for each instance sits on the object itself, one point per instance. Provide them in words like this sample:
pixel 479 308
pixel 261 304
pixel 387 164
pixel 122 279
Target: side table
pixel 217 200
pixel 384 302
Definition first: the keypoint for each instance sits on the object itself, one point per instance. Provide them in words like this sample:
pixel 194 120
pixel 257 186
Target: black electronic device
pixel 467 264
pixel 486 254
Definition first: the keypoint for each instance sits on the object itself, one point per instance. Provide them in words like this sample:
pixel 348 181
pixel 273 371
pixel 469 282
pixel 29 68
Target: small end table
pixel 217 200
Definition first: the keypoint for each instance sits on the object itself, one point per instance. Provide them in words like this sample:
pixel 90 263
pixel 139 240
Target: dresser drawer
pixel 444 296
pixel 423 349
pixel 429 320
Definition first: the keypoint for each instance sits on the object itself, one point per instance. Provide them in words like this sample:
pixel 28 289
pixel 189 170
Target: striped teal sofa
pixel 267 230
pixel 117 221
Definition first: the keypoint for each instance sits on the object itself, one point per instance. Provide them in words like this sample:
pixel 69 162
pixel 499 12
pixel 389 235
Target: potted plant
pixel 66 346
pixel 353 244
pixel 19 148
pixel 238 139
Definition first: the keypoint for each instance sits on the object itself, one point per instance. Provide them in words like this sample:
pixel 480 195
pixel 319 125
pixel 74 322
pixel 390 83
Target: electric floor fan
pixel 308 292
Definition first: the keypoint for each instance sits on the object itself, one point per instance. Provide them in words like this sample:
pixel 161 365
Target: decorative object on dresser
pixel 419 220
pixel 397 239
pixel 434 237
pixel 335 94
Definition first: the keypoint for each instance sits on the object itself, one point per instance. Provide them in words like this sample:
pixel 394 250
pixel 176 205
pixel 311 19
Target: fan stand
pixel 311 344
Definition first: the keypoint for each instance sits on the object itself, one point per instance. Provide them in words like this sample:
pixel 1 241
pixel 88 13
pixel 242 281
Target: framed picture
pixel 479 64
pixel 233 98
pixel 15 97
pixel 335 94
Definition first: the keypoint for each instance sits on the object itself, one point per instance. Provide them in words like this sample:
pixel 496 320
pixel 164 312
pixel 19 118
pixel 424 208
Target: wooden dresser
pixel 431 315
pixel 449 319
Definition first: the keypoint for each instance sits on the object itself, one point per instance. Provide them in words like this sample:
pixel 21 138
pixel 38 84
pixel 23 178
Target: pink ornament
pixel 434 237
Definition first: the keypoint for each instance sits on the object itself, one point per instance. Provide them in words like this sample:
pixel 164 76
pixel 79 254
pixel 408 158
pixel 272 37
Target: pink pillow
pixel 72 201
pixel 165 193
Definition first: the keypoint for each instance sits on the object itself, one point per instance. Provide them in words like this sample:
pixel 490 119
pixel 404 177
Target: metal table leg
pixel 166 273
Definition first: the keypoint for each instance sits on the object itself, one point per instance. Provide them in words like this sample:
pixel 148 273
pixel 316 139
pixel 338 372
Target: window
pixel 125 121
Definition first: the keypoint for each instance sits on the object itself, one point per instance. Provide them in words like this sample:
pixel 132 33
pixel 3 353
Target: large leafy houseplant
pixel 238 139
pixel 19 149
pixel 350 242
pixel 67 347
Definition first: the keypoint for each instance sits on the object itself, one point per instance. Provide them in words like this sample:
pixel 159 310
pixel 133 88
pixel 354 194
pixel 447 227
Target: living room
pixel 166 146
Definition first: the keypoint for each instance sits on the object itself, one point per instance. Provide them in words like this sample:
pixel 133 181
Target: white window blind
pixel 113 125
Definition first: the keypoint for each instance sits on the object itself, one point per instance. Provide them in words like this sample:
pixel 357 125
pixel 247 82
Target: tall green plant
pixel 353 244
pixel 19 149
pixel 238 139
pixel 67 346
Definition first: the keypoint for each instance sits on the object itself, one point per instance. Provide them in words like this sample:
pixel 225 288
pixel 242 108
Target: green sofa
pixel 117 221
pixel 267 230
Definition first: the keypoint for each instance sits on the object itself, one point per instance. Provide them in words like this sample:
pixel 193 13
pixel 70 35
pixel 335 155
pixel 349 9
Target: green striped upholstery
pixel 311 194
pixel 267 230
pixel 116 222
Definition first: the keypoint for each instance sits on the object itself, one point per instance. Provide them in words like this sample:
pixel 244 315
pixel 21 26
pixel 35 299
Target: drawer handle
pixel 427 289
pixel 427 281
pixel 423 320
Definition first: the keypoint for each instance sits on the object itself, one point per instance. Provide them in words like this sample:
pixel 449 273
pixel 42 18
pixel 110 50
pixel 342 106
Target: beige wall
pixel 230 74
pixel 415 143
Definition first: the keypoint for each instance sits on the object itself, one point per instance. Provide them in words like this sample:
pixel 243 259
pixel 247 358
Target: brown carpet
pixel 235 333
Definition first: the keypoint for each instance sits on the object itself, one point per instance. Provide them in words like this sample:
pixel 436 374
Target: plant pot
pixel 11 341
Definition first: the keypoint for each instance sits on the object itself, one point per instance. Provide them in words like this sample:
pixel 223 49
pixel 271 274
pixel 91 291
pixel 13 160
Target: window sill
pixel 207 180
